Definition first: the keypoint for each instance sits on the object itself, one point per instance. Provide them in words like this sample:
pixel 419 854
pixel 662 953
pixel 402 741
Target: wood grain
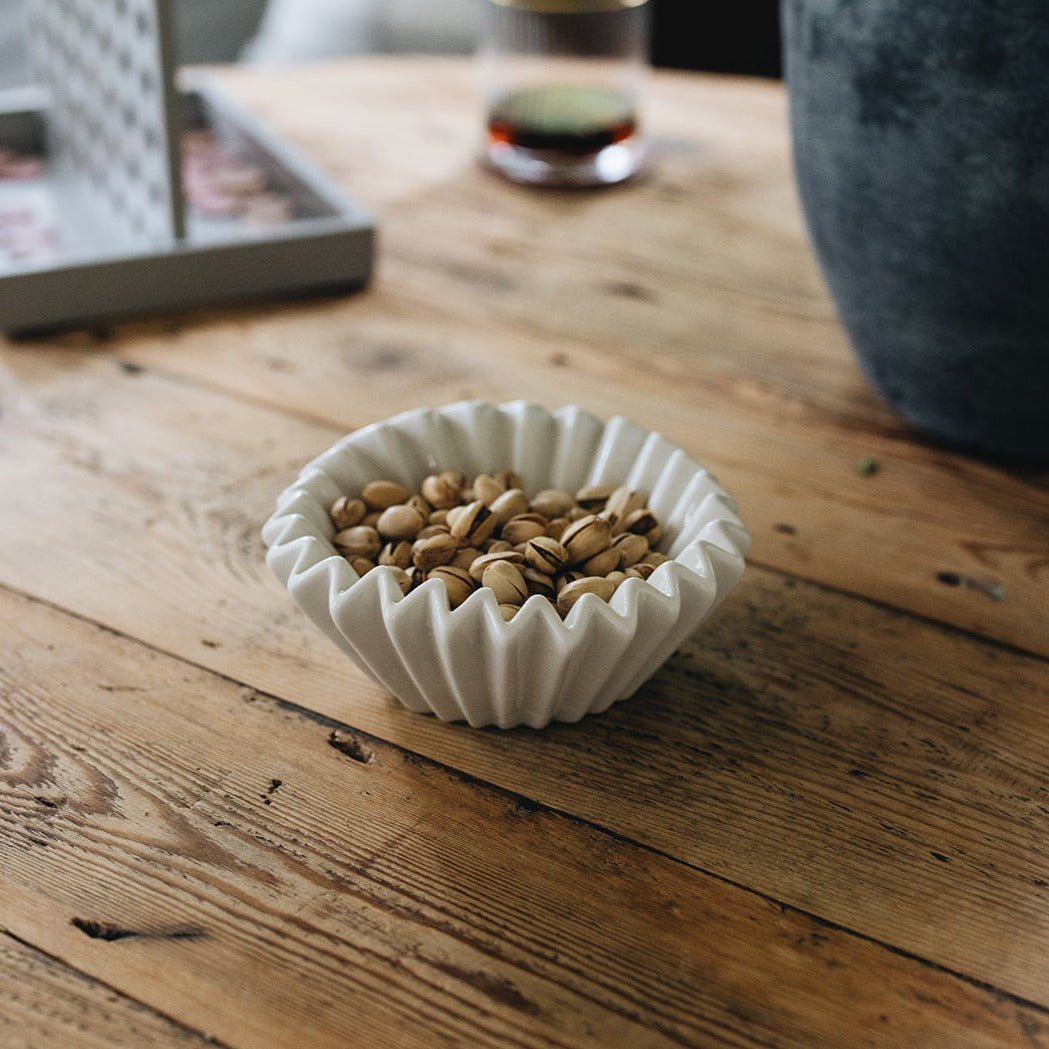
pixel 823 823
pixel 332 887
pixel 47 1003
pixel 804 732
pixel 689 301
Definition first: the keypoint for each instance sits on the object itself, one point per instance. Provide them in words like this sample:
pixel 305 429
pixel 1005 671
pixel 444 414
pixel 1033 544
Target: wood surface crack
pixel 350 744
pixel 991 589
pixel 525 807
pixel 98 930
pixel 116 991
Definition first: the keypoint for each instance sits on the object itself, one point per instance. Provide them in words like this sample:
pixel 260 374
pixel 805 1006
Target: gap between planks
pixel 359 745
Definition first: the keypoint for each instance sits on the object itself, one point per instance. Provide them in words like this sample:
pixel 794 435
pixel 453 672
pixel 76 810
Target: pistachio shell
pixel 443 490
pixel 574 591
pixel 522 527
pixel 457 581
pixel 608 560
pixel 465 557
pixel 585 538
pixel 378 495
pixel 346 512
pixel 403 578
pixel 555 527
pixel 401 521
pixel 552 502
pixel 358 541
pixel 622 502
pixel 481 563
pixel 640 522
pixel 433 551
pixel 632 546
pixel 539 583
pixel 546 554
pixel 592 497
pixel 486 489
pixel 474 526
pixel 433 529
pixel 361 565
pixel 506 580
pixel 508 504
pixel 397 553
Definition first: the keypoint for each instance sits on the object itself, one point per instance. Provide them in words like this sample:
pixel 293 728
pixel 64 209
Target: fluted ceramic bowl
pixel 469 664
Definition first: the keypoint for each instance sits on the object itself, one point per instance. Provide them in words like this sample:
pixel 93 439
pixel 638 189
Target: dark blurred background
pixel 686 35
pixel 745 39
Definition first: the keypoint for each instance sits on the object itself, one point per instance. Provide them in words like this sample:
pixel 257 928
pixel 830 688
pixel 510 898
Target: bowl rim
pixel 293 551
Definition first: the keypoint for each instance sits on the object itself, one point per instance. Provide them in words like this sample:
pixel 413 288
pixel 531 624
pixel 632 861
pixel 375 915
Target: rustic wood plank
pixel 943 536
pixel 705 260
pixel 782 749
pixel 47 1003
pixel 303 882
pixel 689 301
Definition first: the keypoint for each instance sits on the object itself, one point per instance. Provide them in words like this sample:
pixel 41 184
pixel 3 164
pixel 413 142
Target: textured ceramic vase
pixel 921 147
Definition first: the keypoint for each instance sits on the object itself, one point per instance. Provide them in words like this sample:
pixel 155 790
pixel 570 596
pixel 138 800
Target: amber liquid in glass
pixel 572 120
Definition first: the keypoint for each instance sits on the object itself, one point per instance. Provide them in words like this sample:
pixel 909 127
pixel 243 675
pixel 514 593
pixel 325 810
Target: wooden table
pixel 824 823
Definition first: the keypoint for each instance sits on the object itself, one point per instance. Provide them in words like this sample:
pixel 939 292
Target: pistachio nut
pixel 433 529
pixel 522 527
pixel 434 550
pixel 378 495
pixel 555 527
pixel 474 526
pixel 465 557
pixel 586 537
pixel 488 532
pixel 552 502
pixel 346 512
pixel 539 583
pixel 402 578
pixel 397 553
pixel 358 541
pixel 561 581
pixel 486 489
pixel 479 565
pixel 654 558
pixel 420 504
pixel 443 490
pixel 508 479
pixel 573 592
pixel 632 546
pixel 507 582
pixel 622 502
pixel 361 565
pixel 592 497
pixel 508 504
pixel 546 554
pixel 608 560
pixel 457 581
pixel 400 521
pixel 641 522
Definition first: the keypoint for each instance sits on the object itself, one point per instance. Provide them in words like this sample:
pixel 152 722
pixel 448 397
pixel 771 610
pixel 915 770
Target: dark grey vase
pixel 920 131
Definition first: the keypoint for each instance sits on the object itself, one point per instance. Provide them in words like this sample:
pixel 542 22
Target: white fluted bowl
pixel 468 664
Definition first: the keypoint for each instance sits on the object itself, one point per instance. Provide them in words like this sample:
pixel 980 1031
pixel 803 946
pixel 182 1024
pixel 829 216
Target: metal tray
pixel 58 270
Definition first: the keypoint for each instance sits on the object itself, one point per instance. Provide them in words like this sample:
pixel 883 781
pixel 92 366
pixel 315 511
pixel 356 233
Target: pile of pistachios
pixel 486 532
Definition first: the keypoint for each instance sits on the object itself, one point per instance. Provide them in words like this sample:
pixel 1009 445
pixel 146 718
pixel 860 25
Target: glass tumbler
pixel 562 82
